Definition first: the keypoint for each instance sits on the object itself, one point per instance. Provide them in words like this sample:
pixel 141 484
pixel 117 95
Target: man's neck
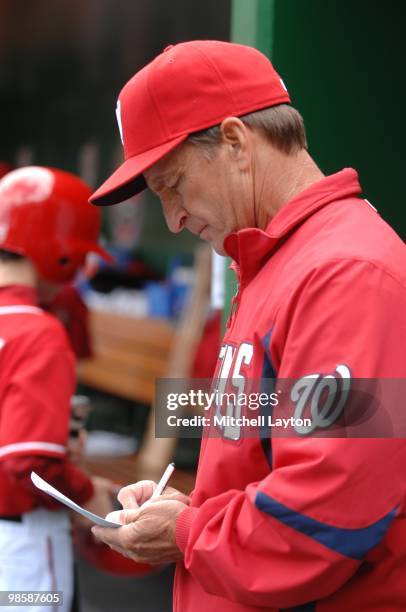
pixel 288 175
pixel 19 272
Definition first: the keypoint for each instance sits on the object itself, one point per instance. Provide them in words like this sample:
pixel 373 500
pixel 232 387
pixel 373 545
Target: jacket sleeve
pixel 35 414
pixel 62 474
pixel 35 410
pixel 303 531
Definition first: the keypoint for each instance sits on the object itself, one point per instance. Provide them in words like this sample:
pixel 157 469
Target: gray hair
pixel 282 125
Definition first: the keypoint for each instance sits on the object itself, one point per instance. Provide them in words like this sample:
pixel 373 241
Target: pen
pixel 164 481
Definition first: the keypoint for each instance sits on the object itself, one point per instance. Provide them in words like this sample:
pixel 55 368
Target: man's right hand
pixel 134 495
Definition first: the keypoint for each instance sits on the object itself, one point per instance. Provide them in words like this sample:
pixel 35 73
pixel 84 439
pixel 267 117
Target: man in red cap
pixel 275 522
pixel 46 231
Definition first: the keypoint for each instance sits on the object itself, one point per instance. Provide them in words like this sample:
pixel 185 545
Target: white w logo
pixel 310 390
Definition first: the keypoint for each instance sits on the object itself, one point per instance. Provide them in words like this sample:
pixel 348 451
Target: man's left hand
pixel 147 534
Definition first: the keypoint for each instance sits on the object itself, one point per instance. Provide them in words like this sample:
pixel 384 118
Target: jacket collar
pixel 18 295
pixel 251 247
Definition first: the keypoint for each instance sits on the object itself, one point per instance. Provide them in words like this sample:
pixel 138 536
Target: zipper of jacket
pixel 233 309
pixel 235 299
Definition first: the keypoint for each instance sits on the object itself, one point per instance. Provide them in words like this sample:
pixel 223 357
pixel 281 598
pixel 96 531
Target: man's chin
pixel 217 243
pixel 218 247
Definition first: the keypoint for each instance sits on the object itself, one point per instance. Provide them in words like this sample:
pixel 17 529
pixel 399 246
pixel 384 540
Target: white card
pixel 44 486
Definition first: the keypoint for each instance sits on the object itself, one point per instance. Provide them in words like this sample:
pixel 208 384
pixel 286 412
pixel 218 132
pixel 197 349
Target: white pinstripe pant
pixel 36 555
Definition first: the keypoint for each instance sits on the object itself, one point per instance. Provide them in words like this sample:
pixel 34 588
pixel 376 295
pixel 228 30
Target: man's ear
pixel 237 137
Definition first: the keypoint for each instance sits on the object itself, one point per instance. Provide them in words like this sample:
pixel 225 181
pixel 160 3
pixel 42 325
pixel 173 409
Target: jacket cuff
pixel 183 523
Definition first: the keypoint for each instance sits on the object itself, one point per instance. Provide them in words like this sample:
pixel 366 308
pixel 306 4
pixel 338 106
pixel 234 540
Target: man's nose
pixel 175 219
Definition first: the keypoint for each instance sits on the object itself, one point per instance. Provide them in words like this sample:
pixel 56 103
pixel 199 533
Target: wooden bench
pixel 129 354
pixel 126 470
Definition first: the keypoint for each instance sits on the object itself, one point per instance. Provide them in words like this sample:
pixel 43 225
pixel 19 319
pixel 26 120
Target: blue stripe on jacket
pixel 268 377
pixel 352 543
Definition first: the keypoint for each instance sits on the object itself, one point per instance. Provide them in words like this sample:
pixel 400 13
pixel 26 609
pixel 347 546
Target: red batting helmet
pixel 5 168
pixel 44 216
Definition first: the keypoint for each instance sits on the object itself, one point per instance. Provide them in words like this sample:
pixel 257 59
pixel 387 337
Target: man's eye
pixel 174 185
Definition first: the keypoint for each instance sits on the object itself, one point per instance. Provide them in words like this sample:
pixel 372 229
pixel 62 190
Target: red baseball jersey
pixel 37 380
pixel 305 523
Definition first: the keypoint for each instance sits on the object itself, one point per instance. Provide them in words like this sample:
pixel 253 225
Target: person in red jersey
pixel 46 230
pixel 69 307
pixel 275 523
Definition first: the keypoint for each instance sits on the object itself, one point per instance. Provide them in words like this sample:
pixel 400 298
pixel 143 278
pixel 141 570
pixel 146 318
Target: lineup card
pixel 44 486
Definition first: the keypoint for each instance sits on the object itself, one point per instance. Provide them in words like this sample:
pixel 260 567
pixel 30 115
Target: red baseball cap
pixel 189 87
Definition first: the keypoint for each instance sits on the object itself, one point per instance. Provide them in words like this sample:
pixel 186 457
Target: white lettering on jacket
pixel 240 357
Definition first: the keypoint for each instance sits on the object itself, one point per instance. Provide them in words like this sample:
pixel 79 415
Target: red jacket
pixel 37 380
pixel 305 523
